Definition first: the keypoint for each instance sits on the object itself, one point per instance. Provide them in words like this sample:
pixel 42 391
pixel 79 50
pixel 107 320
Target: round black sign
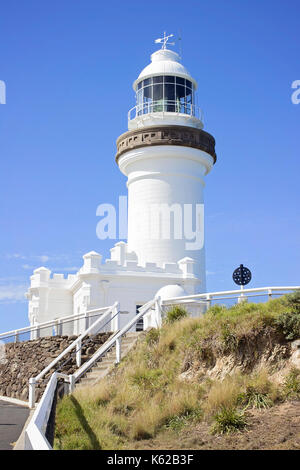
pixel 242 276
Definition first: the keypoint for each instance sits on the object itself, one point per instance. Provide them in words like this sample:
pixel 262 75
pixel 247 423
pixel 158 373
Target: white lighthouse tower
pixel 165 155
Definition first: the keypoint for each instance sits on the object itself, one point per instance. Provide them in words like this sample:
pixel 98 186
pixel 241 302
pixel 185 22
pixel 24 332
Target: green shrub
pixel 228 420
pixel 229 339
pixel 255 398
pixel 289 324
pixel 175 313
pixel 153 336
pixel 176 423
pixel 147 378
pixel 293 301
pixel 291 385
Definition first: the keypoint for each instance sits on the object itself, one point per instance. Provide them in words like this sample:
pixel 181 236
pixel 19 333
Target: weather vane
pixel 164 40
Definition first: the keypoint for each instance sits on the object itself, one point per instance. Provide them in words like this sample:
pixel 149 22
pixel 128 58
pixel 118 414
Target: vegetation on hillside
pixel 151 391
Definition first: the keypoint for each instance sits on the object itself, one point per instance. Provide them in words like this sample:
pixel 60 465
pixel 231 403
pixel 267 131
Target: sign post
pixel 242 276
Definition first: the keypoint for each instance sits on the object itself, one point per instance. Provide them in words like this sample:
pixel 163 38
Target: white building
pixel 165 155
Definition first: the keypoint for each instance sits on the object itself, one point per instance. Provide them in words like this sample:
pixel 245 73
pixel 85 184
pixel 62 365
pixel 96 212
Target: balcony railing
pixel 165 106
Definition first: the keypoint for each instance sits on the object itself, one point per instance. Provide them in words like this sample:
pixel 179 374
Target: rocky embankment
pixel 27 359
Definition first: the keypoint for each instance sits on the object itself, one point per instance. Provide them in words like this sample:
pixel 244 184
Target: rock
pixel 28 358
pixel 90 351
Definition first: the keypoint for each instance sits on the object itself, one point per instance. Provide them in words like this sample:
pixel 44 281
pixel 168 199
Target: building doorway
pixel 139 326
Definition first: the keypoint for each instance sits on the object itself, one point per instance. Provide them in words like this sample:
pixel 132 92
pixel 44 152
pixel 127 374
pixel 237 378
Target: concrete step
pixel 106 363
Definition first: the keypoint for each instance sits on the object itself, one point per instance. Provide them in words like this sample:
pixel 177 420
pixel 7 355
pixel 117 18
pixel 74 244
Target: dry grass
pixel 223 394
pixel 144 396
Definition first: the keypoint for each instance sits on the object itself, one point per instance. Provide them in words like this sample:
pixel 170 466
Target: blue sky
pixel 69 67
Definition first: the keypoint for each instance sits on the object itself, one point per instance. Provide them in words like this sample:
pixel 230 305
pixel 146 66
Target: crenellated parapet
pixel 51 295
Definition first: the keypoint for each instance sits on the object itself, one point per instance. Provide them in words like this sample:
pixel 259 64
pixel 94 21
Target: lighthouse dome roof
pixel 164 62
pixel 170 291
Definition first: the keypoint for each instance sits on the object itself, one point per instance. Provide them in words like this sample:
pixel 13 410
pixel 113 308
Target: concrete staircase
pixel 107 362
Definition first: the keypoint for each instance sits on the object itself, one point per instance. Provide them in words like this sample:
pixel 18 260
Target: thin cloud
pixel 43 258
pixel 15 256
pixel 27 266
pixel 65 268
pixel 54 269
pixel 13 293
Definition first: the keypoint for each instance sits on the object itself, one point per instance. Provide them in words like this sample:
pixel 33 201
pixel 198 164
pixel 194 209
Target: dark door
pixel 140 323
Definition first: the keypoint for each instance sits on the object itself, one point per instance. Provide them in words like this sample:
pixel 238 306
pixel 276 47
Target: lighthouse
pixel 165 155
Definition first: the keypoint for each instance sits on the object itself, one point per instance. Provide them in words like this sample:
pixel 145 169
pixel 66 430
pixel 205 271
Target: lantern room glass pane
pixel 148 92
pixel 189 101
pixel 180 99
pixel 180 81
pixel 169 97
pixel 147 81
pixel 159 79
pixel 169 79
pixel 169 91
pixel 180 91
pixel 158 92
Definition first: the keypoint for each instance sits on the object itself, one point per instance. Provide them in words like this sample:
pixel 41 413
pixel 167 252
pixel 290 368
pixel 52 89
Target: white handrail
pixel 211 295
pixel 111 341
pixel 75 344
pixel 35 433
pixel 61 321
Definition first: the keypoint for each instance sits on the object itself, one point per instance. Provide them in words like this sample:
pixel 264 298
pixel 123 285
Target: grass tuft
pixel 175 313
pixel 291 385
pixel 228 420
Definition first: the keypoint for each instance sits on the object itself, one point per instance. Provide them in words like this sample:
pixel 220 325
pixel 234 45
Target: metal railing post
pixel 71 383
pixel 78 353
pixel 115 323
pixel 158 311
pixel 242 297
pixel 208 301
pixel 16 336
pixel 31 397
pixel 118 350
pixel 269 294
pixel 86 321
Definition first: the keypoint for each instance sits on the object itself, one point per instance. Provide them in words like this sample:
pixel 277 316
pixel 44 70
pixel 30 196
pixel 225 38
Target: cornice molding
pixel 166 135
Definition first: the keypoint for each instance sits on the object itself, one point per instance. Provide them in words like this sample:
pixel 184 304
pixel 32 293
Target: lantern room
pixel 165 94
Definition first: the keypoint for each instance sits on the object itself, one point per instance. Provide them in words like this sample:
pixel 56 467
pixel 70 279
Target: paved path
pixel 12 420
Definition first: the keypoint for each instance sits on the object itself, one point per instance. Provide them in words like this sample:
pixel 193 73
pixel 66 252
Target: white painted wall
pixel 169 175
pixel 99 285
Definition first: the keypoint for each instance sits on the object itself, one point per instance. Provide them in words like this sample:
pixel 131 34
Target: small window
pixel 140 323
